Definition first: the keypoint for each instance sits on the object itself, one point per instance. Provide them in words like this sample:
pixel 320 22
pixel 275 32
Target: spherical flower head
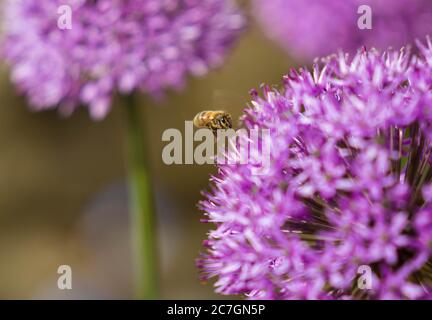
pixel 345 209
pixel 312 28
pixel 113 46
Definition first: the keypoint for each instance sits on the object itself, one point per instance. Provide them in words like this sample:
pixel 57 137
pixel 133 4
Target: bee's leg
pixel 221 123
pixel 213 129
pixel 225 122
pixel 229 121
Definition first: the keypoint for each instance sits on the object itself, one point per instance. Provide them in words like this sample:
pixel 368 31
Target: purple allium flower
pixel 312 28
pixel 114 45
pixel 349 186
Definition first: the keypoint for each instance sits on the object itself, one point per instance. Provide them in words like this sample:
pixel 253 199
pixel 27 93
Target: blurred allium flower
pixel 114 45
pixel 312 28
pixel 349 185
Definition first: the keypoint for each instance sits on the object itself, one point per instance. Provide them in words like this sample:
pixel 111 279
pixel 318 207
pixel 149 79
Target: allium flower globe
pixel 349 186
pixel 313 28
pixel 114 45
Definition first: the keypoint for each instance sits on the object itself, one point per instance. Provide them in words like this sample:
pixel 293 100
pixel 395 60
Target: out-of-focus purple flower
pixel 313 28
pixel 349 186
pixel 114 45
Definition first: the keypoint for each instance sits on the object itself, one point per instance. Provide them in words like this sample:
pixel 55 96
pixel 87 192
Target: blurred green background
pixel 63 191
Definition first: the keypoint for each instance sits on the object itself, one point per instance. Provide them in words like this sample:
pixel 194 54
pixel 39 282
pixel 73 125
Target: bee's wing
pixel 229 101
pixel 225 99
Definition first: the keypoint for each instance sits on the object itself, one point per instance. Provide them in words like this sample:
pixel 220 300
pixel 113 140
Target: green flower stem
pixel 142 219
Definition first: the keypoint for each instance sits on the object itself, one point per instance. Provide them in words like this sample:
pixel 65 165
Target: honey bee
pixel 213 120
